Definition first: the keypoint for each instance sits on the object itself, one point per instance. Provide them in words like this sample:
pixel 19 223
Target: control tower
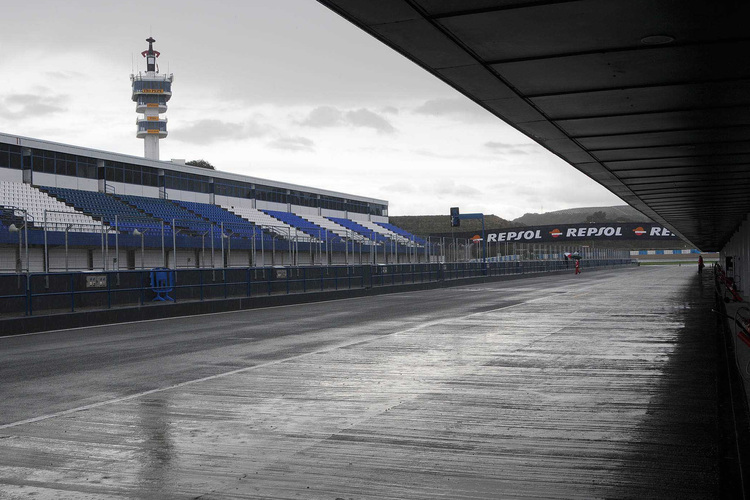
pixel 151 91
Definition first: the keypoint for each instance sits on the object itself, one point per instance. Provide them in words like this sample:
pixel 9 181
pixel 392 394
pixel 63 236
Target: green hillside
pixel 429 224
pixel 617 213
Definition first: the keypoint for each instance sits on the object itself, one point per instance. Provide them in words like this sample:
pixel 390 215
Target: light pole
pixel 136 232
pixel 19 261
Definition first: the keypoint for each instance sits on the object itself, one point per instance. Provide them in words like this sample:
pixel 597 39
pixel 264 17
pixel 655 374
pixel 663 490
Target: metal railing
pixel 48 293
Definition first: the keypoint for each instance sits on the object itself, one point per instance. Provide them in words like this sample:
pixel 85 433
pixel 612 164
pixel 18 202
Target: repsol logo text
pixel 515 236
pixel 593 232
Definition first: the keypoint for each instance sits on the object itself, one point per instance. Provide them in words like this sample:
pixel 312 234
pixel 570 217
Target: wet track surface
pixel 593 386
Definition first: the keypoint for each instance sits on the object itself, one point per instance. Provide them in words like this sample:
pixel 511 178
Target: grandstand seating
pixel 167 211
pixel 233 224
pixel 263 220
pixel 385 232
pixel 405 234
pixel 59 215
pixel 109 209
pixel 338 229
pixel 360 229
pixel 88 211
pixel 303 225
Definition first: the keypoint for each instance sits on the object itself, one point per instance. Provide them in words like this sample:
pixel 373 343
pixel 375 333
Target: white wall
pixel 325 212
pixel 11 175
pixel 88 184
pixel 8 258
pixel 185 258
pixel 110 257
pixel 356 216
pixel 304 210
pixel 231 201
pixel 77 259
pixel 41 179
pixel 271 205
pixel 188 196
pixel 239 258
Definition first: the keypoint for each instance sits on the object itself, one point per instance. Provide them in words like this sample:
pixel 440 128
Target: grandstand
pixel 116 206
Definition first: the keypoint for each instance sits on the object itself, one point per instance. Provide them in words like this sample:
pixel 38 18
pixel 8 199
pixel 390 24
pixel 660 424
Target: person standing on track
pixel 700 264
pixel 578 266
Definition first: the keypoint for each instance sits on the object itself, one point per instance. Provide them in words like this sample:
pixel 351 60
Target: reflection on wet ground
pixel 598 387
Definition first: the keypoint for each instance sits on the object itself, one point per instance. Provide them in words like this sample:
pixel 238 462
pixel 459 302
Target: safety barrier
pixel 46 293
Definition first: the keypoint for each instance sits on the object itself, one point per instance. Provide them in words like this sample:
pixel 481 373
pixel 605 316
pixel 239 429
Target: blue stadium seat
pixel 358 228
pixel 303 225
pixel 405 234
pixel 232 223
pixel 107 209
pixel 168 212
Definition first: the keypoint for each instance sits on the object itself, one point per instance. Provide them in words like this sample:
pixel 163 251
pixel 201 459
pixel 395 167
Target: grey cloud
pixel 450 188
pixel 327 116
pixel 20 106
pixel 324 116
pixel 507 149
pixel 209 131
pixel 389 110
pixel 462 109
pixel 292 144
pixel 64 75
pixel 365 118
pixel 433 154
pixel 404 187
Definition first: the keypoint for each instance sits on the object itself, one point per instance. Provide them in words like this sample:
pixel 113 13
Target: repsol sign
pixel 573 232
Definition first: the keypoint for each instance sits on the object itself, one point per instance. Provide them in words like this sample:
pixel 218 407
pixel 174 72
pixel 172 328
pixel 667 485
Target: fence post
pixel 28 294
pixel 72 295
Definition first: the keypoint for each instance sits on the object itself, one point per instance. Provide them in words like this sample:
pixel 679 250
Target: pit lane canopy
pixel 651 98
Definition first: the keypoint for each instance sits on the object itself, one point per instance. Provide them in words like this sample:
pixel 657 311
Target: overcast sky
pixel 284 90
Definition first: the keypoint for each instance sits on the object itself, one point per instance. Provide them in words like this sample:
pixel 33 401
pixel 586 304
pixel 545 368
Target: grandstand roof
pixel 176 167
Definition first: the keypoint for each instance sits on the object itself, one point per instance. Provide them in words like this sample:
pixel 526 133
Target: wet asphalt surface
pixel 593 386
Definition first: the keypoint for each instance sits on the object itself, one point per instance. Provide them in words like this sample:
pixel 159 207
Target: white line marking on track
pixel 248 368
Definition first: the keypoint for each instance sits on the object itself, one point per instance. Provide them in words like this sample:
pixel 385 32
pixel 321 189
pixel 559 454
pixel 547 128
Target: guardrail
pixel 48 293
